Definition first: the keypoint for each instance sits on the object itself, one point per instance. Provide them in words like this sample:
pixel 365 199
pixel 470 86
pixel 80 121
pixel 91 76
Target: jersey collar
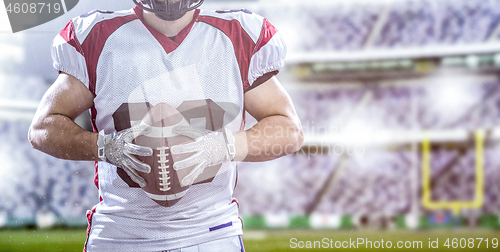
pixel 168 44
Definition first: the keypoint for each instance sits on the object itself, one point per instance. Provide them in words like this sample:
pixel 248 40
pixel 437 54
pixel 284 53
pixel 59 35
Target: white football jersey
pixel 129 66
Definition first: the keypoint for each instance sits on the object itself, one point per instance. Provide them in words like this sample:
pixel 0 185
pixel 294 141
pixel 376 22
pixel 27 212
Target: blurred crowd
pixel 347 26
pixel 33 182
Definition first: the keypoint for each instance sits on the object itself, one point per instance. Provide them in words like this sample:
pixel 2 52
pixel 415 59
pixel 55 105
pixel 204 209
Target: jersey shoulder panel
pixel 84 24
pixel 250 22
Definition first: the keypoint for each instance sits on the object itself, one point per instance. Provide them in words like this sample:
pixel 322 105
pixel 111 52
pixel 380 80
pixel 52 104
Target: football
pixel 163 183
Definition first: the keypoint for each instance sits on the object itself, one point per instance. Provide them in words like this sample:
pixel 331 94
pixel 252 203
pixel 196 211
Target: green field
pixel 282 240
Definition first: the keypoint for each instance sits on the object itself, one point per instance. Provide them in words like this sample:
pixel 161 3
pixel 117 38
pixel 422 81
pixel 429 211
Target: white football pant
pixel 229 244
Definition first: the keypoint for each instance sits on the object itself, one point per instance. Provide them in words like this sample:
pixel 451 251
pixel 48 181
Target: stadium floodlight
pixel 496 59
pixel 3 219
pixel 472 61
pixel 455 206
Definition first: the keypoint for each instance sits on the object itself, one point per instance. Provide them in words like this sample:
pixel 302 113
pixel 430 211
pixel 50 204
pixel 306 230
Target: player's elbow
pixel 296 137
pixel 31 138
pixel 35 137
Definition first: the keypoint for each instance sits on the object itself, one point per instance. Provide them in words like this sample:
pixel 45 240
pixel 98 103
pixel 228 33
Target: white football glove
pixel 117 149
pixel 211 147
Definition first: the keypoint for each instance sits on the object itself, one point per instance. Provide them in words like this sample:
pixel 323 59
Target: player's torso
pixel 135 68
pixel 133 73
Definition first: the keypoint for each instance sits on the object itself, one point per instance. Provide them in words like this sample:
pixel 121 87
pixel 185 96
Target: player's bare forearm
pixel 272 137
pixel 278 131
pixel 53 129
pixel 58 136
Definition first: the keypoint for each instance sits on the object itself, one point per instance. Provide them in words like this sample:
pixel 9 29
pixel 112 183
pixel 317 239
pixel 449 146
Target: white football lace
pixel 165 183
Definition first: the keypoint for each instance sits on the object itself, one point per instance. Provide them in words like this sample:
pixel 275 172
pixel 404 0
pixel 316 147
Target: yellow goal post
pixel 454 206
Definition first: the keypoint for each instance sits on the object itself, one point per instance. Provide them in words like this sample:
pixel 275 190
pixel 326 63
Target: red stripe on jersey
pixel 68 34
pixel 93 114
pixel 92 48
pixel 96 176
pixel 241 221
pixel 236 182
pixel 242 43
pixel 184 32
pixel 266 34
pixel 167 44
pixel 89 220
pixel 235 201
pixel 94 44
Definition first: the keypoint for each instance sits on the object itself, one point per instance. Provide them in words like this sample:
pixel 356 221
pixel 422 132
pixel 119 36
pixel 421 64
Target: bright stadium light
pixel 450 97
pixel 359 132
pixel 472 61
pixel 3 219
pixel 4 20
pixel 45 219
pixel 496 59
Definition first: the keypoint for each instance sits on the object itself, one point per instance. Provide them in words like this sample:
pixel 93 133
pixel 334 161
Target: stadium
pixel 399 102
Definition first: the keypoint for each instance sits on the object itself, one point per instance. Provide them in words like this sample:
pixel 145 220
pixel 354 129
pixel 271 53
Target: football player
pixel 209 67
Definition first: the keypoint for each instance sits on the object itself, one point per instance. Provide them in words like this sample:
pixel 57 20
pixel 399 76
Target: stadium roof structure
pixel 391 30
pixel 17 110
pixel 392 54
pixel 394 138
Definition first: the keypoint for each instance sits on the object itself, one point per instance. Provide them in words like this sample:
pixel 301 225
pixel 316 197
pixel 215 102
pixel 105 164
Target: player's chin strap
pixel 117 149
pixel 210 147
